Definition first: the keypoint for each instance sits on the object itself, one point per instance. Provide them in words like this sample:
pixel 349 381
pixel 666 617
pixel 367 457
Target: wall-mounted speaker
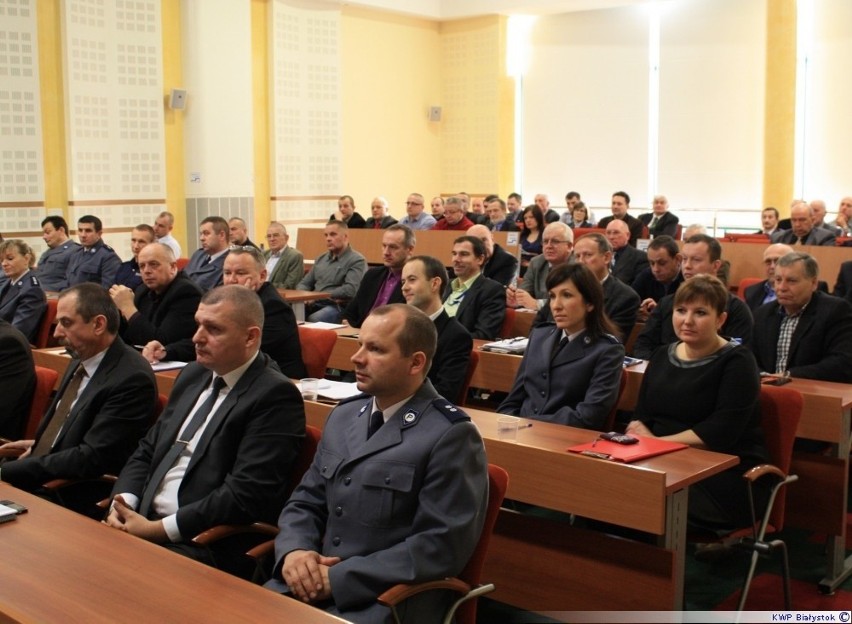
pixel 177 99
pixel 434 113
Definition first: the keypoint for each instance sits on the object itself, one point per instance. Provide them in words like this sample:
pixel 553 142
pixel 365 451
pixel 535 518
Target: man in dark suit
pixel 660 221
pixel 804 332
pixel 222 451
pixel 477 302
pixel 423 280
pixel 346 213
pixel 802 230
pixel 398 488
pixel 702 255
pixel 17 381
pixel 627 261
pixel 769 221
pixel 238 233
pixel 620 206
pixel 764 292
pixel 661 278
pixel 380 219
pixel 498 216
pixel 128 273
pixel 543 202
pixel 162 309
pixel 205 265
pixel 104 403
pixel 383 284
pixel 500 265
pixel 843 286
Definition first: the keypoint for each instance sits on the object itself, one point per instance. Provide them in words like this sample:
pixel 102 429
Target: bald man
pixel 500 265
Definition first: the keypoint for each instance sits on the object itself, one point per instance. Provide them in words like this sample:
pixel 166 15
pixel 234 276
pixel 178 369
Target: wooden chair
pixel 44 335
pixel 610 419
pixel 745 283
pixel 780 411
pixel 467 584
pixel 317 345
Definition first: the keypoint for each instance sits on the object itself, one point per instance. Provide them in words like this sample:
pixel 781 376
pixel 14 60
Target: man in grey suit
pixel 557 245
pixel 342 542
pixel 205 265
pixel 802 230
pixel 285 266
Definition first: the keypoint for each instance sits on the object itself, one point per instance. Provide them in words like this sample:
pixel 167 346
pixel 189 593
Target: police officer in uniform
pixel 22 301
pixel 398 487
pixel 52 268
pixel 94 261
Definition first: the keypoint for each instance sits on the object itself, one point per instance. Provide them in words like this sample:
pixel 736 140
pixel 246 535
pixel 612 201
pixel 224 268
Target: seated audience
pixel 161 312
pixel 346 213
pixel 52 268
pixel 477 302
pixel 818 208
pixel 382 284
pixel 163 225
pixel 548 214
pixel 570 373
pixel 764 292
pixel 423 280
pixel 454 217
pixel 128 272
pixel 577 217
pixel 843 222
pixel 802 230
pixel 514 204
pixel 703 391
pixel 238 233
pixel 660 221
pixel 477 214
pixel 337 272
pixel 229 462
pixel 531 236
pixel 415 217
pixel 661 278
pixel 17 382
pixel 804 333
pixel 498 216
pixel 22 301
pixel 702 255
pixel 627 261
pixel 769 221
pixel 500 265
pixel 843 286
pixel 620 206
pixel 557 248
pixel 285 265
pixel 437 206
pixel 205 265
pixel 339 544
pixel 104 403
pixel 94 261
pixel 380 219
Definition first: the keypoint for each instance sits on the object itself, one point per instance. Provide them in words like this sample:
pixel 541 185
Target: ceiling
pixel 458 9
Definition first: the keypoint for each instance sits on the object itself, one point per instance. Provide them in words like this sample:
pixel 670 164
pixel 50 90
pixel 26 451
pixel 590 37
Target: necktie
pixel 60 415
pixel 177 448
pixel 653 223
pixel 557 347
pixel 377 224
pixel 206 261
pixel 377 419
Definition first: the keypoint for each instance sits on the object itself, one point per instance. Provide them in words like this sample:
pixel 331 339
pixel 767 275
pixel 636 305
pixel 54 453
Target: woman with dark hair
pixel 22 300
pixel 704 391
pixel 571 372
pixel 579 217
pixel 531 236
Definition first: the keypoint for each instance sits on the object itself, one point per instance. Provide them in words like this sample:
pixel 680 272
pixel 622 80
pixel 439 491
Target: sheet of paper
pixel 167 365
pixel 321 325
pixel 335 390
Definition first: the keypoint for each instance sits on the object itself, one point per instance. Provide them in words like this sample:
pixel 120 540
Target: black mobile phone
pixel 619 438
pixel 19 509
pixel 778 381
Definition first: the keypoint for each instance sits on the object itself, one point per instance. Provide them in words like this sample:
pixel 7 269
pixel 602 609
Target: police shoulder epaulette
pixel 107 247
pixel 612 339
pixel 357 397
pixel 34 280
pixel 451 412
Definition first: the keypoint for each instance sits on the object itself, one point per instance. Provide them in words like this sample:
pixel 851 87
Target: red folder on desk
pixel 627 453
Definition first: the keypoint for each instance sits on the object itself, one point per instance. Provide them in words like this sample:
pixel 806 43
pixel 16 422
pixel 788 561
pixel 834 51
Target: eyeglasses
pixel 413 203
pixel 242 248
pixel 554 241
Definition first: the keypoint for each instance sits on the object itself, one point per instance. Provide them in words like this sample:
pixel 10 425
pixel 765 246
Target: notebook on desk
pixel 516 346
pixel 627 453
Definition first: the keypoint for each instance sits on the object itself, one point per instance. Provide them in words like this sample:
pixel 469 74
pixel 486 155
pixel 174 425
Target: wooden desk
pixel 61 566
pixel 648 496
pixel 298 298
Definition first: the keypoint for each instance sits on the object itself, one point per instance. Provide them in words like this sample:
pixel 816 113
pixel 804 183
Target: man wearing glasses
pixel 557 248
pixel 415 218
pixel 764 292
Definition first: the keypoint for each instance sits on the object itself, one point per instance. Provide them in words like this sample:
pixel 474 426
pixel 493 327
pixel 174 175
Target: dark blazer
pixel 507 225
pixel 821 346
pixel 667 224
pixel 629 261
pixel 483 308
pixel 755 293
pixel 208 275
pixel 647 287
pixel 359 306
pixel 817 236
pixel 502 266
pixel 385 222
pixel 636 227
pixel 23 304
pixel 659 330
pixel 577 386
pixel 843 287
pixel 17 381
pixel 167 318
pixel 103 428
pixel 356 221
pixel 452 357
pixel 239 469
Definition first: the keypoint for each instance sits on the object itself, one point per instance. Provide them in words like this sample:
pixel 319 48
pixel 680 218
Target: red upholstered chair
pixel 467 584
pixel 578 232
pixel 44 335
pixel 508 326
pixel 46 379
pixel 745 283
pixel 181 263
pixel 317 345
pixel 761 239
